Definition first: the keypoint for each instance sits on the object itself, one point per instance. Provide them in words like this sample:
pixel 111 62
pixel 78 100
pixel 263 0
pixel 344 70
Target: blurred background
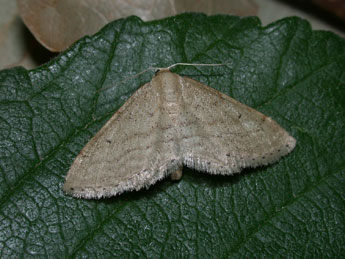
pixel 34 31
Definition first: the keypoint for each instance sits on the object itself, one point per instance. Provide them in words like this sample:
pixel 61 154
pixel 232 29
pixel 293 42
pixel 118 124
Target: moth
pixel 171 122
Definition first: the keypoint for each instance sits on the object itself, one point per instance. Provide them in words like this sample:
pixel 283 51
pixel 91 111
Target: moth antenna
pixel 196 64
pixel 156 69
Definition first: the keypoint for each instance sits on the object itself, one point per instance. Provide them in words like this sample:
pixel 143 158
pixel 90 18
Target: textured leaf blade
pixel 294 208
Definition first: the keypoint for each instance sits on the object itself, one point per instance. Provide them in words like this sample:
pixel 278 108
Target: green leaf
pixel 294 208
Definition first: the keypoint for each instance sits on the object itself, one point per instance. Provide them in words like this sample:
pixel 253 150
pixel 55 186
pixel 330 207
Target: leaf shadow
pixel 217 180
pixel 190 175
pixel 33 48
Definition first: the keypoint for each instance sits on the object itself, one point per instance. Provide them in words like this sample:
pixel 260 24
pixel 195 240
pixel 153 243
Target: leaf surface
pixel 294 208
